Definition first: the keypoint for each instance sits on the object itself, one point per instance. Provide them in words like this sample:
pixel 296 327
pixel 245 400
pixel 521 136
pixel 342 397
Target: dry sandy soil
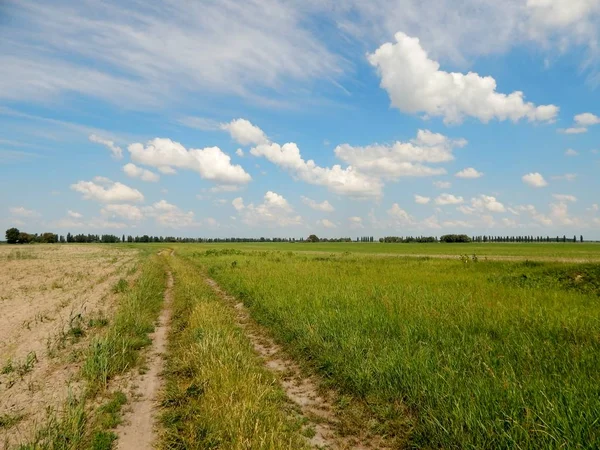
pixel 48 295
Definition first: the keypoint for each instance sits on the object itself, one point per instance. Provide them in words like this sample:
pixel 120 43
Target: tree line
pixel 463 238
pixel 15 236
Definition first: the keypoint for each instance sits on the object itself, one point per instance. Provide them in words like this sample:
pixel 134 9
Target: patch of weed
pixel 121 286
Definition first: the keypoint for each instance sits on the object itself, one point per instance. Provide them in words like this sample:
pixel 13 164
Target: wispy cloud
pixel 155 54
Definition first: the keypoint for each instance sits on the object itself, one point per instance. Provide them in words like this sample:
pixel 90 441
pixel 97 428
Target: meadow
pixel 449 353
pixel 583 252
pixel 407 345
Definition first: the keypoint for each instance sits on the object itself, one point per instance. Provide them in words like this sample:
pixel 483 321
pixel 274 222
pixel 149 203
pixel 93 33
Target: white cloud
pixel 400 216
pixel 564 23
pixel 368 166
pixel 594 207
pixel 421 200
pixel 222 188
pixel 573 130
pixel 326 223
pixel 571 152
pixel 103 180
pixel 20 211
pixel 457 224
pixel 559 212
pixel 416 84
pixel 238 203
pixel 122 211
pixel 509 223
pixel 240 152
pixel 431 222
pixel 469 172
pixel 169 215
pixel 402 159
pixel 487 203
pixel 346 181
pixel 538 217
pixel 211 222
pixel 534 179
pixel 133 171
pixel 466 209
pixel 565 177
pixel 323 206
pixel 448 199
pixel 587 119
pixel 356 222
pixel 245 133
pixel 565 197
pixel 74 214
pixel 105 191
pixel 442 184
pixel 275 211
pixel 167 170
pixel 116 151
pixel 211 163
pixel 140 56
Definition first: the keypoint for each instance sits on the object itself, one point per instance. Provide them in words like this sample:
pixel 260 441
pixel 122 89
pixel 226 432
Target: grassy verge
pixel 80 425
pixel 483 354
pixel 218 393
pixel 117 350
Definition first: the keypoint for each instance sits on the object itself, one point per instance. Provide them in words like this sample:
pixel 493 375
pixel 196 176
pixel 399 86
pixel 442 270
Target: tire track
pixel 139 428
pixel 316 406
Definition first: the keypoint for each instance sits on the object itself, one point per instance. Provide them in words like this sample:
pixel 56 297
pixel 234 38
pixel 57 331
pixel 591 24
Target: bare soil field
pixel 52 301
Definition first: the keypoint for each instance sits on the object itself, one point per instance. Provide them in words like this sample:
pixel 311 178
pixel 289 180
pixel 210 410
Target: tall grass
pixel 117 350
pixel 218 394
pixel 536 251
pixel 484 355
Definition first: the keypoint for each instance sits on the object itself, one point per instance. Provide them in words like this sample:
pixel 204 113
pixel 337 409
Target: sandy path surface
pixel 138 430
pixel 48 294
pixel 316 406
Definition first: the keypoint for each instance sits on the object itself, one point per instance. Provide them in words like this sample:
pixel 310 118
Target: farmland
pixel 306 345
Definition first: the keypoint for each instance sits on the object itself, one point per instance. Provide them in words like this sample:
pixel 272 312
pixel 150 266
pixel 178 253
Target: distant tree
pixel 564 238
pixel 12 235
pixel 581 238
pixel 455 238
pixel 25 238
pixel 48 238
pixel 312 238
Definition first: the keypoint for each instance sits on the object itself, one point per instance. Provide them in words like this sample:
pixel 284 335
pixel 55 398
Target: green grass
pixel 9 420
pixel 117 350
pixel 533 251
pixel 107 417
pixel 64 431
pixel 481 354
pixel 218 394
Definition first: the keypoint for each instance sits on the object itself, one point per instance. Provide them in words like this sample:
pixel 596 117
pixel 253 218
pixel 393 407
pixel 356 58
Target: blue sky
pixel 283 118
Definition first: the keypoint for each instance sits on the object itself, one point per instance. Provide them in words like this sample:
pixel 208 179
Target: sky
pixel 283 118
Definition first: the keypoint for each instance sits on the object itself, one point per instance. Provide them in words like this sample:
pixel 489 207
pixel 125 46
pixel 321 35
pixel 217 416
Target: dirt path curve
pixel 317 407
pixel 139 428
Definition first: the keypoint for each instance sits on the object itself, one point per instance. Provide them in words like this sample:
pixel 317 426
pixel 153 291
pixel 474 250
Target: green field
pixel 474 346
pixel 538 251
pixel 464 354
